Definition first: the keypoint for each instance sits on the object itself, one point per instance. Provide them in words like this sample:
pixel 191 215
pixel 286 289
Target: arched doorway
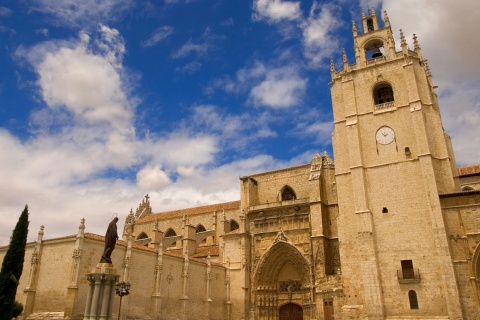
pixel 282 282
pixel 291 311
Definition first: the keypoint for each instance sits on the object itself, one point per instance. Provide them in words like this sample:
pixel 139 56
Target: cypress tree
pixel 12 266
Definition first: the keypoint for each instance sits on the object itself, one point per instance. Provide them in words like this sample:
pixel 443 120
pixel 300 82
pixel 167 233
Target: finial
pixel 363 13
pixel 373 11
pixel 416 46
pixel 427 68
pixel 385 18
pixel 332 65
pixel 402 38
pixel 354 28
pixel 40 234
pixel 344 56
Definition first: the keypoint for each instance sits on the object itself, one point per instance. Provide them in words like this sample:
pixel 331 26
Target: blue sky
pixel 102 102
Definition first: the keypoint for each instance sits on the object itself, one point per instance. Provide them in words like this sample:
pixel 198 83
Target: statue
pixel 110 239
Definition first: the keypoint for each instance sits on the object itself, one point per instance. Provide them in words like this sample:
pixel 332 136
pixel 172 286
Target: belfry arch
pixel 282 278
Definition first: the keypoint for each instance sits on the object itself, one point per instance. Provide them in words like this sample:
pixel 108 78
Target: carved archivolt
pixel 277 256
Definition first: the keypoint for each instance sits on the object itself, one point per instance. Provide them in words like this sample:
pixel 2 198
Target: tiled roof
pixel 468 170
pixel 190 211
pixel 203 252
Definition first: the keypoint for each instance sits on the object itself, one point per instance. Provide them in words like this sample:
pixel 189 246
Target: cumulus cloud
pixel 158 35
pixel 276 10
pixel 86 84
pixel 83 157
pixel 81 13
pixel 318 39
pixel 281 88
pixel 152 178
pixel 268 86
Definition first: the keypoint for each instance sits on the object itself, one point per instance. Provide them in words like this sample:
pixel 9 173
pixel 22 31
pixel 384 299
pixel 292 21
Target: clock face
pixel 385 135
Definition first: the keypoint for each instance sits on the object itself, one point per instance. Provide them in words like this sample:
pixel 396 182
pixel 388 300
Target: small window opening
pixel 142 236
pixel 384 210
pixel 200 228
pixel 288 194
pixel 170 233
pixel 370 26
pixel 467 188
pixel 412 297
pixel 407 151
pixel 234 225
pixel 383 94
pixel 407 269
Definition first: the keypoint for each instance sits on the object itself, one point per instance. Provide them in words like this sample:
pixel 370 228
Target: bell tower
pixel 392 160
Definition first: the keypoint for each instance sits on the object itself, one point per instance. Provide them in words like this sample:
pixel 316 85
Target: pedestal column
pixel 99 304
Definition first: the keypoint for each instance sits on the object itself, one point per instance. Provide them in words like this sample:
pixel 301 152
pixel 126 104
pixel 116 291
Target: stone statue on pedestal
pixel 110 239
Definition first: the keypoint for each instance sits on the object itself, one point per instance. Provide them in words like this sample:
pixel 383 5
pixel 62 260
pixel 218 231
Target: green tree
pixel 12 266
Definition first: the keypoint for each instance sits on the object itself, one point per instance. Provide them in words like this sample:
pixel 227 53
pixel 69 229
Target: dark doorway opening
pixel 291 311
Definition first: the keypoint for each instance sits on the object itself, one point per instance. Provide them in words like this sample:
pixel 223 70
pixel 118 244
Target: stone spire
pixel 403 43
pixel 354 29
pixel 345 59
pixel 416 46
pixel 332 68
pixel 386 20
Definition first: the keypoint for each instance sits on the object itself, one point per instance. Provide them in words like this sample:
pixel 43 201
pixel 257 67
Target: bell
pixel 377 53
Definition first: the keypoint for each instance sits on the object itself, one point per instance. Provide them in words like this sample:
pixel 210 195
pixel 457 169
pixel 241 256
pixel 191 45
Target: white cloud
pixel 86 12
pixel 83 158
pixel 442 28
pixel 280 88
pixel 152 178
pixel 190 47
pixel 87 85
pixel 318 39
pixel 158 35
pixel 276 10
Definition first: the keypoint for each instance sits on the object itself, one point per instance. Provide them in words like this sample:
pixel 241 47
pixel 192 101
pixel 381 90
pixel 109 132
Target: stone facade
pixel 391 230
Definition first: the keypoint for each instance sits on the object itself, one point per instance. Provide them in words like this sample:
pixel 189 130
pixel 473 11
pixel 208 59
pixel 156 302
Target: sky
pixel 105 101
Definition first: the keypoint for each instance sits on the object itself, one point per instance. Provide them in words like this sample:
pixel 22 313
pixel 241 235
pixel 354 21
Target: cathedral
pixel 387 228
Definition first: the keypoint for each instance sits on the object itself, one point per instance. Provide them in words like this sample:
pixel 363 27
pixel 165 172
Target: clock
pixel 385 135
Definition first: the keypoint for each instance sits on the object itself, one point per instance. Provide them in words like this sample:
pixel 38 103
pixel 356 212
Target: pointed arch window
pixel 370 26
pixel 170 233
pixel 234 225
pixel 412 298
pixel 142 236
pixel 383 93
pixel 288 194
pixel 200 228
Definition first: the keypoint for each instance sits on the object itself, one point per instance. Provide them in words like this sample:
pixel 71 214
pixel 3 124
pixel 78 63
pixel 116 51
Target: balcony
pixel 408 276
pixel 384 106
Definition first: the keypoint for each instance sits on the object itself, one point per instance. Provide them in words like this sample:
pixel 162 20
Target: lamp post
pixel 122 289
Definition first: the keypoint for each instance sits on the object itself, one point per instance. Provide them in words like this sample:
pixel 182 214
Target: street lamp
pixel 122 289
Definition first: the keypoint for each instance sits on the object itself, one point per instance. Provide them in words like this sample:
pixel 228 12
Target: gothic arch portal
pixel 282 276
